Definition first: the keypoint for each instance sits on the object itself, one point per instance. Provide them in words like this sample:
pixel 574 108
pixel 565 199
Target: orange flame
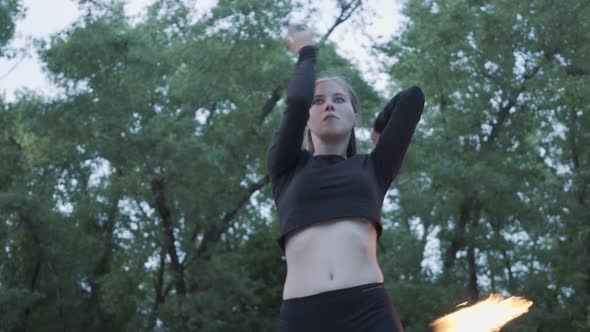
pixel 485 316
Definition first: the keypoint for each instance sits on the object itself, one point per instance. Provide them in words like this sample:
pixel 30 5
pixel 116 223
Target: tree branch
pixel 346 10
pixel 160 206
pixel 214 233
pixel 505 111
pixel 473 289
pixel 158 289
pixel 275 96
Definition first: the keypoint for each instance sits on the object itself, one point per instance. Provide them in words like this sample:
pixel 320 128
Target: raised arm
pixel 285 146
pixel 396 125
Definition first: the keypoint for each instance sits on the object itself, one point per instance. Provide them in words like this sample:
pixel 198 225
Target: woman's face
pixel 331 99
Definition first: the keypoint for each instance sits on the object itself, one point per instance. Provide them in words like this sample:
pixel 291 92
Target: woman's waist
pixel 330 255
pixel 342 247
pixel 318 268
pixel 309 280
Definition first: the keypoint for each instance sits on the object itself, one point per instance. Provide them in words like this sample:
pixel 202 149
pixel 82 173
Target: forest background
pixel 180 232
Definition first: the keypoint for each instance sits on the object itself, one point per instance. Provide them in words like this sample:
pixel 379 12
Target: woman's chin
pixel 332 135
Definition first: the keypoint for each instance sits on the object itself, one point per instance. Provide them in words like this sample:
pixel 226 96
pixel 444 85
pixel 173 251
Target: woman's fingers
pixel 298 38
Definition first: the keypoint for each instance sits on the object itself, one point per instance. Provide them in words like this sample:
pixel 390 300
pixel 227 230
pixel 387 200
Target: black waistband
pixel 343 292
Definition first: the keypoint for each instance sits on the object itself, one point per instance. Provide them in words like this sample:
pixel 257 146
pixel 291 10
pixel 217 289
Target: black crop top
pixel 309 189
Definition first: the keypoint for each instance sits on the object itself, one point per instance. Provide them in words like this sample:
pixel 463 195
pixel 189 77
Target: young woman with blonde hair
pixel 329 199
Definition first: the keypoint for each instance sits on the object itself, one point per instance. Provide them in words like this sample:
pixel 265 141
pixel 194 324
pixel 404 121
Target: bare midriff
pixel 331 255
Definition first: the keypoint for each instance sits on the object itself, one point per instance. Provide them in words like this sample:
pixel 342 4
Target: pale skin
pixel 329 136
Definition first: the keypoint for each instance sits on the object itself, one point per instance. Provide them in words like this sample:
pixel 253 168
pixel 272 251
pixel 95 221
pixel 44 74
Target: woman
pixel 329 199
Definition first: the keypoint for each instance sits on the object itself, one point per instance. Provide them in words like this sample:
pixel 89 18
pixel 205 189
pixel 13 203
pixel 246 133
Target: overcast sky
pixel 46 17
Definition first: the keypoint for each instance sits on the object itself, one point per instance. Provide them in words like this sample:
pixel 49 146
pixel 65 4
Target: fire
pixel 485 316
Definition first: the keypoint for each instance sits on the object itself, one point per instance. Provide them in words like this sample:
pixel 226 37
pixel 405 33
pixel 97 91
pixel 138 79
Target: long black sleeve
pixel 396 123
pixel 286 142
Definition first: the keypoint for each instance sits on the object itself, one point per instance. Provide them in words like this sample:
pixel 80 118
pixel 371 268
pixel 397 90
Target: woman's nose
pixel 329 107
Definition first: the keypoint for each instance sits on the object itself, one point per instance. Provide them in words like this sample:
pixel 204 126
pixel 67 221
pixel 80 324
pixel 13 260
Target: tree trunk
pixel 473 290
pixel 458 240
pixel 158 189
pixel 160 202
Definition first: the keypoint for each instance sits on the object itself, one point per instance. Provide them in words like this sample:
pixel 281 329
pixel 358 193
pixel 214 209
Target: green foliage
pixel 10 12
pixel 495 76
pixel 136 200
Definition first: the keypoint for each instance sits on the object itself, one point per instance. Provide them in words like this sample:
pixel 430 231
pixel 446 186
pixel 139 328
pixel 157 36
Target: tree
pixel 495 76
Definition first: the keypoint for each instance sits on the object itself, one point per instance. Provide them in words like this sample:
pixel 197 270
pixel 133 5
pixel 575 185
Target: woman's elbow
pixel 416 92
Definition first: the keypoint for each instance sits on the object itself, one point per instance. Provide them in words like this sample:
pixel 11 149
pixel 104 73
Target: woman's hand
pixel 299 38
pixel 375 136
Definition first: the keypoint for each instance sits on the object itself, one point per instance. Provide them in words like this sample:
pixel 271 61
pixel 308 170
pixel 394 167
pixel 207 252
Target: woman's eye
pixel 316 101
pixel 339 99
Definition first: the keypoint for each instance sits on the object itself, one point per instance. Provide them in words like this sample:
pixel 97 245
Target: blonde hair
pixel 351 148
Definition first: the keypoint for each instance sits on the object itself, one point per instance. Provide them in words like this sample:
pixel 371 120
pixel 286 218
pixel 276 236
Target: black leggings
pixel 364 308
